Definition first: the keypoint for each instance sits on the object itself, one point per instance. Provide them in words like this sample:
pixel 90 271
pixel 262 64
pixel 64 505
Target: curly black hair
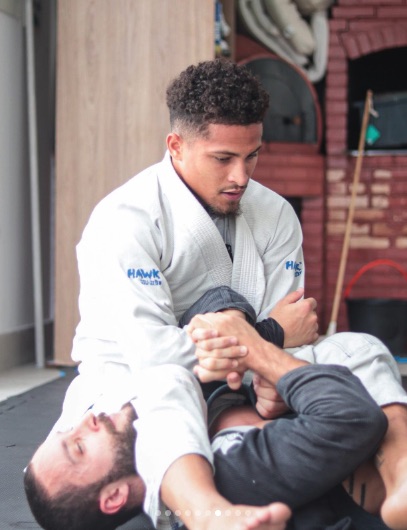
pixel 215 92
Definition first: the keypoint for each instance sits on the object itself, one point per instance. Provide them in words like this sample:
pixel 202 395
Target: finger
pixel 203 321
pixel 219 351
pixel 234 380
pixel 270 410
pixel 206 376
pixel 294 296
pixel 312 302
pixel 215 365
pixel 268 393
pixel 217 343
pixel 197 334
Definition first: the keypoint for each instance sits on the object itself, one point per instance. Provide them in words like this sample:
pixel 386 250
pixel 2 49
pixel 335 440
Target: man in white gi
pixel 190 223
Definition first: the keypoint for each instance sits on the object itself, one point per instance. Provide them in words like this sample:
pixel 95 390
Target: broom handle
pixel 349 222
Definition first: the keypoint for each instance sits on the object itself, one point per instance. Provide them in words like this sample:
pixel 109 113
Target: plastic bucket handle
pixel 370 265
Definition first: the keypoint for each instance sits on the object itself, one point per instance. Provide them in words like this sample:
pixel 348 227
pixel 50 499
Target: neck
pixel 137 491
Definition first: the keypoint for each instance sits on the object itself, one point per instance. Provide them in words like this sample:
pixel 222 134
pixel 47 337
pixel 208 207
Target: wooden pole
pixel 349 222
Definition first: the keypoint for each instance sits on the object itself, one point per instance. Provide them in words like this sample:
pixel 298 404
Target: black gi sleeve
pixel 271 331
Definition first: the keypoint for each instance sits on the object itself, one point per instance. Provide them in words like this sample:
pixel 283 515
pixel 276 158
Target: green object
pixel 372 134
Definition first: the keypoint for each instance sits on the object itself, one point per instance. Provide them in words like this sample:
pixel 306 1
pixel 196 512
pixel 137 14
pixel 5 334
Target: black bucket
pixel 385 318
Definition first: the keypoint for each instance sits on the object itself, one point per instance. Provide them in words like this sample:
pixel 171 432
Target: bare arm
pixel 188 489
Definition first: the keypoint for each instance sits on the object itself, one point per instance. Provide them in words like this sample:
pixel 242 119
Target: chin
pixel 230 210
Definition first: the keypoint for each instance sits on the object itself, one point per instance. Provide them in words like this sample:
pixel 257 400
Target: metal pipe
pixel 34 187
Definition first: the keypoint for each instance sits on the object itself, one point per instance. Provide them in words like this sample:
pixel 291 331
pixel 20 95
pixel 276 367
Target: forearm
pixel 189 491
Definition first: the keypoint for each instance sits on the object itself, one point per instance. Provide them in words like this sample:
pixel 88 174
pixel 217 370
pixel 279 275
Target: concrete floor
pixel 23 378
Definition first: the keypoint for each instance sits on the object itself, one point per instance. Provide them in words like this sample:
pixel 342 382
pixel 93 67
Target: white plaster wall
pixel 16 285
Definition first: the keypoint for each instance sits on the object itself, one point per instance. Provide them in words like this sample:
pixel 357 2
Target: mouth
pixel 108 421
pixel 234 195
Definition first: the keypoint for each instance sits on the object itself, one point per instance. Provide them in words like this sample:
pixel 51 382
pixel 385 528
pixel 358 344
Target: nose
pixel 239 175
pixel 88 423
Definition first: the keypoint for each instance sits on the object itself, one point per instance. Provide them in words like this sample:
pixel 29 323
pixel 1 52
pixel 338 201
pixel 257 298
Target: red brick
pixel 334 79
pixel 336 52
pixel 365 43
pixel 314 215
pixel 398 173
pixel 400 34
pixel 393 12
pixel 336 93
pixel 396 202
pixel 399 188
pixel 338 25
pixel 360 25
pixel 287 187
pixel 336 134
pixel 370 2
pixel 334 40
pixel 337 66
pixel 352 12
pixel 351 45
pixel 336 162
pixel 400 168
pixel 292 160
pixel 378 39
pixel 338 107
pixel 389 36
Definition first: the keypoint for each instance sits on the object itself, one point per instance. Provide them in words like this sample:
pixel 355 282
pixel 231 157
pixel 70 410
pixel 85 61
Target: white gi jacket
pixel 172 422
pixel 150 250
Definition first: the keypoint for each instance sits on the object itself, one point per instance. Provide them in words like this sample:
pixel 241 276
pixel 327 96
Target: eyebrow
pixel 230 153
pixel 67 452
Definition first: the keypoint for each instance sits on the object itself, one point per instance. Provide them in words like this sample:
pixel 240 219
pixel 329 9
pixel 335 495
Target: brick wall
pixel 380 223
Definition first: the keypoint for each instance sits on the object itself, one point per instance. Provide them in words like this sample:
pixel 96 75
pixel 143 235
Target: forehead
pixel 219 130
pixel 219 135
pixel 51 463
pixel 57 465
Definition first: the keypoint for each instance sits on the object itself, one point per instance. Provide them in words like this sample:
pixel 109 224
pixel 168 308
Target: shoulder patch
pixel 294 266
pixel 151 277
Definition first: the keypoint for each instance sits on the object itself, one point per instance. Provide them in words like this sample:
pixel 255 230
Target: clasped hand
pixel 218 338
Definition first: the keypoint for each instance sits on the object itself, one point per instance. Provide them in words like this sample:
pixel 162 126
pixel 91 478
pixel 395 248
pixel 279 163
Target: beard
pixel 233 211
pixel 124 462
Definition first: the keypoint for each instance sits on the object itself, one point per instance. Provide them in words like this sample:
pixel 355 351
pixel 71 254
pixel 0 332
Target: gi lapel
pixel 204 238
pixel 248 271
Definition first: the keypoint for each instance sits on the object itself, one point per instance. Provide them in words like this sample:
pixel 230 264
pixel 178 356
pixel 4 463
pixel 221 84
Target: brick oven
pixel 368 50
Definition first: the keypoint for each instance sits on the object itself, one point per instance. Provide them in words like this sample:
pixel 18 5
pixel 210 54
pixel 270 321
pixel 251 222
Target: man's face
pixel 217 168
pixel 88 452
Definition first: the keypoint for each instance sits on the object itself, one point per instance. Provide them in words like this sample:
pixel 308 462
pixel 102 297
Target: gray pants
pixel 298 458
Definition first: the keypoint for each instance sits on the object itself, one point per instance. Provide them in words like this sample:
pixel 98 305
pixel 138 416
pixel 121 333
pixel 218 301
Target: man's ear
pixel 114 496
pixel 174 145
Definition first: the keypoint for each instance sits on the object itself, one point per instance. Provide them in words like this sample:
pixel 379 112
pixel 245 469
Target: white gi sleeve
pixel 282 258
pixel 171 423
pixel 124 294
